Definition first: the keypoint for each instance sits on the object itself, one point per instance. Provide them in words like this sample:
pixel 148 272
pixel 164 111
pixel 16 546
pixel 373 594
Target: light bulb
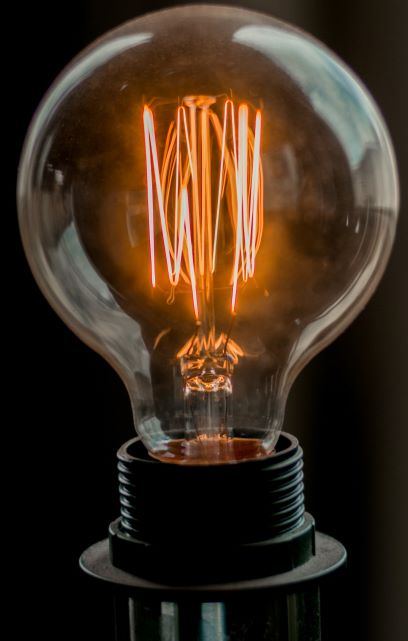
pixel 207 197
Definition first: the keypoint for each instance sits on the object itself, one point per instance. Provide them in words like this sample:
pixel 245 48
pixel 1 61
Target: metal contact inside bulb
pixel 212 450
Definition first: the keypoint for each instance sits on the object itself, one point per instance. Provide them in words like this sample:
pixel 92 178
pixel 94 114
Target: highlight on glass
pixel 207 197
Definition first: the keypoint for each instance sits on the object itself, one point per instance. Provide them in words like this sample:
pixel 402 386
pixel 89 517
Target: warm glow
pixel 200 344
pixel 188 195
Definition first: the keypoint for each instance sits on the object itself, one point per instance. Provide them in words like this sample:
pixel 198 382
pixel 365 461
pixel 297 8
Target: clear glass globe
pixel 207 197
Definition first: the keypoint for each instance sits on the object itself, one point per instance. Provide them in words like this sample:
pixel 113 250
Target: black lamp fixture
pixel 208 197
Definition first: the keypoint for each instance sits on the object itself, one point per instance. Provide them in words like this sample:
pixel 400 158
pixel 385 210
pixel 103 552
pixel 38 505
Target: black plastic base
pixel 214 552
pixel 243 502
pixel 329 556
pixel 211 523
pixel 229 524
pixel 188 561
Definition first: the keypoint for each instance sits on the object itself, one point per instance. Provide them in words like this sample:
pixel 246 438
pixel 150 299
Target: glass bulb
pixel 207 197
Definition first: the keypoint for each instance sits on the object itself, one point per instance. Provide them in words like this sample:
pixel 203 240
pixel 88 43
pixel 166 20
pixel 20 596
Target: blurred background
pixel 349 407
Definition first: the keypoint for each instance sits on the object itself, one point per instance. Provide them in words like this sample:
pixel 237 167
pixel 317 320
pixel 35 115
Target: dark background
pixel 70 411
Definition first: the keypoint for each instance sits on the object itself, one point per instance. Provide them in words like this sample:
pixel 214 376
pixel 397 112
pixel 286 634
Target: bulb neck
pixel 211 522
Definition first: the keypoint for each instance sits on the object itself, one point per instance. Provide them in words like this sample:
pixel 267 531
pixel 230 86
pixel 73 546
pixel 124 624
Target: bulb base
pixel 214 552
pixel 211 523
pixel 239 502
pixel 189 561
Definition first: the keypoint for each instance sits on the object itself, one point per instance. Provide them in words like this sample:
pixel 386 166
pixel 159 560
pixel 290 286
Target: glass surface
pixel 207 197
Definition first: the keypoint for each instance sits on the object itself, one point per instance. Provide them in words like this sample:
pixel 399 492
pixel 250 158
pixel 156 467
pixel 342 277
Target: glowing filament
pixel 180 194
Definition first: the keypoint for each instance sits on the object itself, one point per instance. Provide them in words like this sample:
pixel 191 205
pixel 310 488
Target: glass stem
pixel 209 414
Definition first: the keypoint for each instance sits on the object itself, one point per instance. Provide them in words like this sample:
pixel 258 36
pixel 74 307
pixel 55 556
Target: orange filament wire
pixel 200 344
pixel 187 169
